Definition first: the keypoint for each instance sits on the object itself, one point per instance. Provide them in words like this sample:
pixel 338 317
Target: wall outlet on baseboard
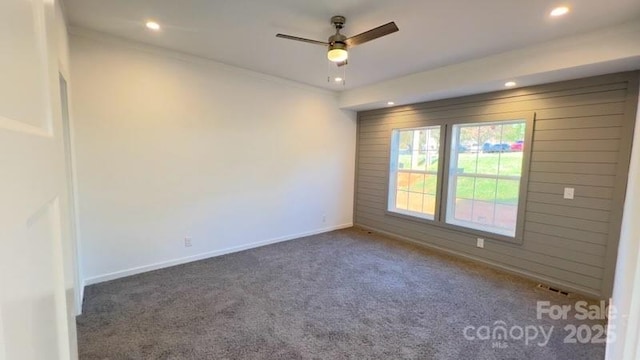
pixel 187 242
pixel 480 243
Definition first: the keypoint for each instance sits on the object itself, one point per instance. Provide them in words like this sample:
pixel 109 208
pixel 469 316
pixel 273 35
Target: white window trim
pixel 454 175
pixel 442 192
pixel 393 171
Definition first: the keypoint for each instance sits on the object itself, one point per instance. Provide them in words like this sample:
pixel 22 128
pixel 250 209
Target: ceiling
pixel 432 33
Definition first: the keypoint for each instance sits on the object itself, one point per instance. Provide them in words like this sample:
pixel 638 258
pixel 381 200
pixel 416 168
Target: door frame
pixel 72 187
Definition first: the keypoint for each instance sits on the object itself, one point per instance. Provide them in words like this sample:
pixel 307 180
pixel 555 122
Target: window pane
pixel 465 187
pixel 488 163
pixel 463 209
pixel 469 137
pixel 430 184
pixel 506 216
pixel 432 149
pixel 406 141
pixel 467 163
pixel 414 180
pixel 419 160
pixel 485 189
pixel 403 181
pixel 483 212
pixel 404 161
pixel 416 183
pixel 405 151
pixel 508 192
pixel 511 164
pixel 470 140
pixel 484 180
pixel 402 199
pixel 432 160
pixel 429 204
pixel 415 202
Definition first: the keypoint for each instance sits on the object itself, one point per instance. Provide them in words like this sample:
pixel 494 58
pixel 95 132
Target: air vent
pixel 555 290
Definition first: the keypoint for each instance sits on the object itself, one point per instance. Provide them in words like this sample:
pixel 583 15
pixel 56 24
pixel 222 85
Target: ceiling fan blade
pixel 372 34
pixel 302 39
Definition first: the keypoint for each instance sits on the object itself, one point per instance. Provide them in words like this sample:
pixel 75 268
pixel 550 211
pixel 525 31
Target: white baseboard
pixel 184 260
pixel 81 299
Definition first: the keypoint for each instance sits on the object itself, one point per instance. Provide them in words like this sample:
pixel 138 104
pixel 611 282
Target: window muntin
pixel 484 180
pixel 413 180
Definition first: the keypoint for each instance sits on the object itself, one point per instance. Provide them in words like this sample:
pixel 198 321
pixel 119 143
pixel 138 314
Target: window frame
pixel 393 164
pixel 444 167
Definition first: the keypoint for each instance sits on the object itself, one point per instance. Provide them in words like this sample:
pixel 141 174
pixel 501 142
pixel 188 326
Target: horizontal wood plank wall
pixel 582 139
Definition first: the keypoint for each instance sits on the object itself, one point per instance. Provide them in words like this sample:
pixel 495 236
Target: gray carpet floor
pixel 346 294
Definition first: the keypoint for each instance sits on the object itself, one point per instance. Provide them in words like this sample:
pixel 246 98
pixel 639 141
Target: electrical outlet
pixel 324 218
pixel 480 243
pixel 187 242
pixel 569 193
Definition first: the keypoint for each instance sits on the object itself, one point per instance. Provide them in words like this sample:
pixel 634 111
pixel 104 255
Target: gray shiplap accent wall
pixel 582 138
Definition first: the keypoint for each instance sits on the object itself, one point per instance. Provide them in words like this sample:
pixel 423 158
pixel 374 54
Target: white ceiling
pixel 432 33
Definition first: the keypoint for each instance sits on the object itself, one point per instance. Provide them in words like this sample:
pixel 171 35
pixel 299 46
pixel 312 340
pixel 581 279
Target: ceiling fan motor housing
pixel 338 21
pixel 337 43
pixel 337 39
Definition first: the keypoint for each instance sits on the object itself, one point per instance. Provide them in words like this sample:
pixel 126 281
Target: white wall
pixel 626 292
pixel 170 145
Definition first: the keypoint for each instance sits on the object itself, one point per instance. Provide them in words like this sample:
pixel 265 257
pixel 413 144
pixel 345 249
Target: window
pixel 414 171
pixel 473 185
pixel 484 185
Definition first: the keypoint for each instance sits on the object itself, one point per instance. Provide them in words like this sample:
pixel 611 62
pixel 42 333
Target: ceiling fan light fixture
pixel 559 11
pixel 152 25
pixel 337 52
pixel 337 45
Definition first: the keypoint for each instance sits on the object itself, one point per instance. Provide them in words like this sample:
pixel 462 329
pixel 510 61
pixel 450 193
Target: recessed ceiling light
pixel 510 84
pixel 153 25
pixel 390 103
pixel 338 79
pixel 559 11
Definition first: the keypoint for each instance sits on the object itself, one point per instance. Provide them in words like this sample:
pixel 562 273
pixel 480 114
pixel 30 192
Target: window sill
pixel 517 240
pixel 409 216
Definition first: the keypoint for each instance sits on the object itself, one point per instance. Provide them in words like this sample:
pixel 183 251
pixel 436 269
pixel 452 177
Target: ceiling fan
pixel 338 44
